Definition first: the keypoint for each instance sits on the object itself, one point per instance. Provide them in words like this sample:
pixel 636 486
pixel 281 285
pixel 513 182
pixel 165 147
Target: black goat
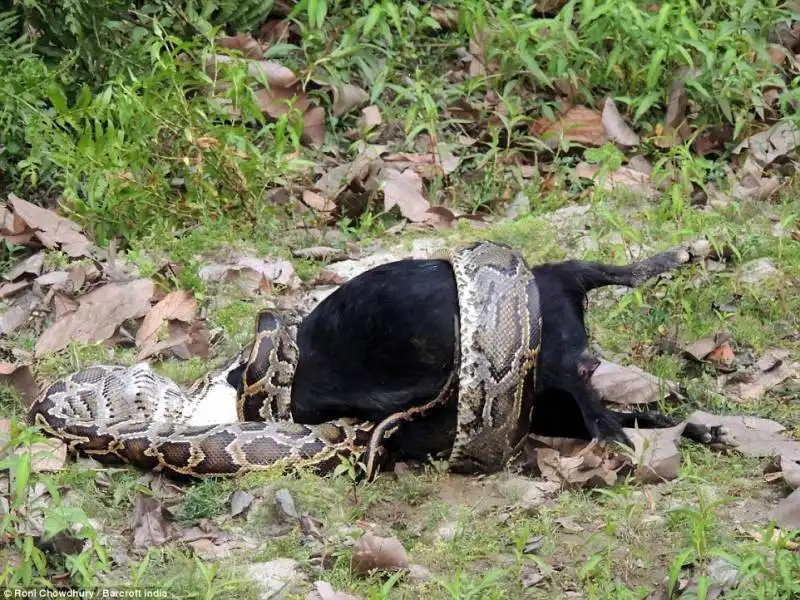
pixel 384 342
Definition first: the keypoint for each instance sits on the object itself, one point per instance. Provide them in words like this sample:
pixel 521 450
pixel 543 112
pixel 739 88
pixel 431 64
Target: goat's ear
pixel 587 365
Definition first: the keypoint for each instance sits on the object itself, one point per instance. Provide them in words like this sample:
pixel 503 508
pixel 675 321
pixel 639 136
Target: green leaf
pixel 372 18
pixel 654 70
pixel 22 474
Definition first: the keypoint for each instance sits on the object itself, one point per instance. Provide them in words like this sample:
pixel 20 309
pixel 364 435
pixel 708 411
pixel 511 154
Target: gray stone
pixel 275 576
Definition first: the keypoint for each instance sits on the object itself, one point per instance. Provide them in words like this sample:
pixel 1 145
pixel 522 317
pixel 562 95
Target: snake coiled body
pixel 134 415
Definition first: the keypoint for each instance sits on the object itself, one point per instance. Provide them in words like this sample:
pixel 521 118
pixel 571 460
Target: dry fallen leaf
pixel 278 101
pixel 321 253
pixel 99 314
pixel 615 127
pixel 657 457
pixel 372 552
pixel 590 466
pixel 27 266
pixel 752 436
pixel 50 229
pixel 324 591
pixel 404 190
pixel 318 202
pixel 348 97
pixel 579 124
pixel 700 349
pixel 767 146
pixel 9 289
pixel 46 456
pixel 17 314
pixel 152 523
pixel 625 177
pixel 275 74
pixel 754 384
pixel 179 305
pixel 787 513
pixel 371 116
pixel 314 126
pixel 21 379
pixel 243 42
pixel 629 386
pixel 251 271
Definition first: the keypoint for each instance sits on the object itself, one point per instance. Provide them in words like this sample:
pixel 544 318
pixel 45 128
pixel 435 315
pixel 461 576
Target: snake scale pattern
pixel 134 415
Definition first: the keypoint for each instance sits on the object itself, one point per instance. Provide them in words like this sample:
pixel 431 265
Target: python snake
pixel 134 415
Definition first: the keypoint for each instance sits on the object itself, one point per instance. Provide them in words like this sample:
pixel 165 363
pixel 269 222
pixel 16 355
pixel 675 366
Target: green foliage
pixel 629 50
pixel 155 152
pixel 110 38
pixel 26 564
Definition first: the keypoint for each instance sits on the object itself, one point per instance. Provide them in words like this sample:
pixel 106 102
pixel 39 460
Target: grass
pixel 109 116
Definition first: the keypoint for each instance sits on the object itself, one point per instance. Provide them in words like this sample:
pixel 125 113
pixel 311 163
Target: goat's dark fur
pixel 384 342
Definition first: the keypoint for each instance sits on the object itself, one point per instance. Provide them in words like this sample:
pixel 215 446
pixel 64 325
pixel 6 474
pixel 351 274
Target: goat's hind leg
pixel 696 432
pixel 593 275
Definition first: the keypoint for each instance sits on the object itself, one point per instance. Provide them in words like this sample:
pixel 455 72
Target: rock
pixel 419 574
pixel 285 504
pixel 526 493
pixel 447 531
pixel 275 576
pixel 758 270
pixel 424 247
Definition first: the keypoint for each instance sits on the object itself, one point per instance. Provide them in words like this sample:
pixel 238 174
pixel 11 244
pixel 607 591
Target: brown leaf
pixel 179 305
pixel 100 312
pixel 767 146
pixel 152 523
pixel 787 513
pixel 625 177
pixel 700 349
pixel 348 97
pixel 278 101
pixel 327 277
pixel 629 386
pixel 31 265
pixel 404 190
pixel 184 340
pixel 50 229
pixel 752 436
pixel 615 127
pixel 321 253
pixel 251 270
pixel 275 74
pixel 656 453
pixel 64 305
pixel 317 202
pixel 324 591
pixel 57 278
pixel 588 467
pixel 372 552
pixel 17 314
pixel 371 116
pixel 722 355
pixel 9 289
pixel 243 42
pixel 759 382
pixel 579 124
pixel 46 456
pixel 314 126
pixel 676 105
pixel 275 31
pixel 21 379
pixel 446 17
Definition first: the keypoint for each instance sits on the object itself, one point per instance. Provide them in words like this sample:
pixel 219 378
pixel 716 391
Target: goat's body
pixel 384 342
